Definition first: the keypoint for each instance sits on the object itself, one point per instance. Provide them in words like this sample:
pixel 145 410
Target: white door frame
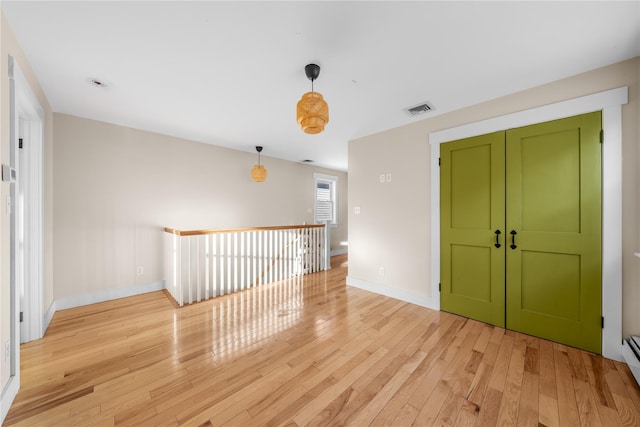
pixel 29 116
pixel 610 102
pixel 25 109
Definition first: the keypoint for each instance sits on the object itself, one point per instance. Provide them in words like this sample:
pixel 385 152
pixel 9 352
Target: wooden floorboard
pixel 307 351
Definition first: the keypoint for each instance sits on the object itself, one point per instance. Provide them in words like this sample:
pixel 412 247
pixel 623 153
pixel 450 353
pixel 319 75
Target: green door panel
pixel 550 184
pixel 553 199
pixel 472 208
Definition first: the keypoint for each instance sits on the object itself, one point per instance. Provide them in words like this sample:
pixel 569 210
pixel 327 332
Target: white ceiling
pixel 231 73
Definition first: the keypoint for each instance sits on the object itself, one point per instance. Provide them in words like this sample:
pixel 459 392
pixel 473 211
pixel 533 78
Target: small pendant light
pixel 259 172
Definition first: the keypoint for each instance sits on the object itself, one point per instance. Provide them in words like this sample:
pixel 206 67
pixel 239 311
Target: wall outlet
pixel 383 177
pixel 381 271
pixel 388 177
pixel 356 210
pixel 140 271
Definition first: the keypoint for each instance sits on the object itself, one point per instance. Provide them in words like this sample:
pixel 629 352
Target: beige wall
pixel 393 229
pixel 117 187
pixel 9 46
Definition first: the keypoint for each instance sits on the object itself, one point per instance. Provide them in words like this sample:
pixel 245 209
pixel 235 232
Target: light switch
pixel 388 177
pixel 382 177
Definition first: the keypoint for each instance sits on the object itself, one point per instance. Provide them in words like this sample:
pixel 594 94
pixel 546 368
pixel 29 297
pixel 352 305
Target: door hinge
pixel 601 136
pixel 439 287
pixel 21 317
pixel 602 322
pixel 438 161
pixel 20 143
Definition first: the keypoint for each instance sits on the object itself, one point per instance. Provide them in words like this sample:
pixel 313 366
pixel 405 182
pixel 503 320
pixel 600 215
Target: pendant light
pixel 313 111
pixel 259 172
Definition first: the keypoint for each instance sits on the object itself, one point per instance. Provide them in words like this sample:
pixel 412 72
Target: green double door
pixel 521 229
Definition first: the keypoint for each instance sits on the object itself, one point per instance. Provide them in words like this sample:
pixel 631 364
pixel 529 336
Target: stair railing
pixel 203 264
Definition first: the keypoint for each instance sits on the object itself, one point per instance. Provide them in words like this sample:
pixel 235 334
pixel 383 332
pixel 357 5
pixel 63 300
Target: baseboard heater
pixel 631 354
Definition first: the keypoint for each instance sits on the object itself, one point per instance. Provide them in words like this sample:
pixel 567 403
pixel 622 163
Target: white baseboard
pixel 338 252
pixel 47 317
pixel 8 396
pixel 400 294
pixel 108 295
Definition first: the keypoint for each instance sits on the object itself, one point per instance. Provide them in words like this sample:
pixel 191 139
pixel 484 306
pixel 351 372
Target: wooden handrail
pixel 238 230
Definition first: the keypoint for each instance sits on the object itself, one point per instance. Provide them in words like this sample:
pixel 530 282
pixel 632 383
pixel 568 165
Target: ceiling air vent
pixel 418 109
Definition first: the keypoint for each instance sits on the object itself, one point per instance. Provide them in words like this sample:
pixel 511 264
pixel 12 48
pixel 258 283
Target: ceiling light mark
pixel 98 83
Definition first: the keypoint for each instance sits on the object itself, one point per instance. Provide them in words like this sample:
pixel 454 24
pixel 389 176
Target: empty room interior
pixel 302 213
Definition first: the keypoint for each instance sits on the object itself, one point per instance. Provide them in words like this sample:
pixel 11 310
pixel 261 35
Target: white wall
pixel 392 230
pixel 116 188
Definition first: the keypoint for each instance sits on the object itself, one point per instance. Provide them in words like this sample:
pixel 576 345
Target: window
pixel 326 198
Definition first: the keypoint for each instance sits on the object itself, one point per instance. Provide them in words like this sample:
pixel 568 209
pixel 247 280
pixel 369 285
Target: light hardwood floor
pixel 310 351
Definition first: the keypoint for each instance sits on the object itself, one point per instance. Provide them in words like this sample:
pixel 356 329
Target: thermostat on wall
pixel 8 173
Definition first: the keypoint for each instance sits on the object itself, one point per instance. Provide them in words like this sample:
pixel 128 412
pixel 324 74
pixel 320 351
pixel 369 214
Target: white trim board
pixel 108 295
pixel 8 395
pixel 48 316
pixel 610 102
pixel 399 294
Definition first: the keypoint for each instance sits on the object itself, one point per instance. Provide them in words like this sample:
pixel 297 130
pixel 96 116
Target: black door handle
pixel 497 244
pixel 513 239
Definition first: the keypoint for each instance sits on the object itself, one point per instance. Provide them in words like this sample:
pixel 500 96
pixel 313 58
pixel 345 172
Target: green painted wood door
pixel 540 186
pixel 554 275
pixel 472 209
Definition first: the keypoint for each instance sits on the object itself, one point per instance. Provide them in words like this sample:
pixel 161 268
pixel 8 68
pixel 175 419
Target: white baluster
pixel 269 256
pixel 254 250
pixel 214 265
pixel 265 273
pixel 229 254
pixel 178 272
pixel 279 254
pixel 235 262
pixel 189 271
pixel 242 256
pixel 313 250
pixel 207 269
pixel 221 257
pixel 197 282
pixel 260 252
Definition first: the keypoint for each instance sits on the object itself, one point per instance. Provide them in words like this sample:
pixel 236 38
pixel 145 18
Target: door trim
pixel 610 102
pixel 29 111
pixel 24 105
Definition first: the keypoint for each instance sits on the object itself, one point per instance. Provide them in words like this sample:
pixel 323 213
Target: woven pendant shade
pixel 312 113
pixel 259 173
